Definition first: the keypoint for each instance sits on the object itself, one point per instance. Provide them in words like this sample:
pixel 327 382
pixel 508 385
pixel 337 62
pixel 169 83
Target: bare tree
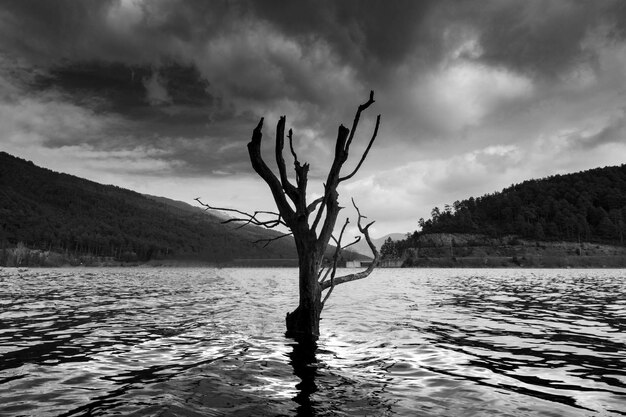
pixel 294 212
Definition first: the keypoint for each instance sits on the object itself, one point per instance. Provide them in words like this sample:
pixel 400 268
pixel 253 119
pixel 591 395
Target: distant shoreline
pixel 438 254
pixel 551 262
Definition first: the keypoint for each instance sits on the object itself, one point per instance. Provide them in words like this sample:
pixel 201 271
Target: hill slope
pixel 363 248
pixel 585 206
pixel 53 211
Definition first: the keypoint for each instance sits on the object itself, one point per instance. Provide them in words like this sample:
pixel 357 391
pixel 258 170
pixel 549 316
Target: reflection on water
pixel 197 342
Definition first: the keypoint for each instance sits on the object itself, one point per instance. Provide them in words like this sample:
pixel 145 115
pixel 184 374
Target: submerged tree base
pixel 303 327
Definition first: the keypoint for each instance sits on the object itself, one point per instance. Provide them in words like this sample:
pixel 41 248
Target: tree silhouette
pixel 294 212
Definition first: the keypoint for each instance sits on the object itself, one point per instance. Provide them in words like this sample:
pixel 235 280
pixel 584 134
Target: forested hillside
pixel 585 206
pixel 47 210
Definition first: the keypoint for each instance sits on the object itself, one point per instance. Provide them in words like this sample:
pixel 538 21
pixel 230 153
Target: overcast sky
pixel 161 96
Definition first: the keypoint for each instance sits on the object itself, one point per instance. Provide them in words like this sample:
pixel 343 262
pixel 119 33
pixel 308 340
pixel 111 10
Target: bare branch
pixel 330 291
pixel 268 224
pixel 318 216
pixel 248 218
pixel 209 207
pixel 335 260
pixel 270 240
pixel 356 240
pixel 251 219
pixel 261 168
pixel 289 188
pixel 357 116
pixel 360 275
pixel 326 274
pixel 313 205
pixel 342 146
pixel 295 157
pixel 302 172
pixel 369 145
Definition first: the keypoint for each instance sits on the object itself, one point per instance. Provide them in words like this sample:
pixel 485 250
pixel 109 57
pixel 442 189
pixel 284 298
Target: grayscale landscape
pixel 312 208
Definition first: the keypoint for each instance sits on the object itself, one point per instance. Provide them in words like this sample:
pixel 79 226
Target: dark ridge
pixel 58 212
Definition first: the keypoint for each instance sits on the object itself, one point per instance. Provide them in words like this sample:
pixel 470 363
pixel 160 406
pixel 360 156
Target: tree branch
pixel 342 147
pixel 325 275
pixel 273 239
pixel 318 216
pixel 357 116
pixel 311 207
pixel 338 249
pixel 356 240
pixel 363 274
pixel 369 145
pixel 289 188
pixel 290 136
pixel 330 203
pixel 261 168
pixel 248 218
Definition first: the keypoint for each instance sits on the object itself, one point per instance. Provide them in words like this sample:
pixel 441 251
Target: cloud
pixel 462 94
pixel 473 95
pixel 156 90
pixel 613 132
pixel 399 196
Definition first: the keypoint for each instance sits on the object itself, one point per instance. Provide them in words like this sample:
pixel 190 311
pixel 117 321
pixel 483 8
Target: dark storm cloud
pixel 538 38
pixel 369 36
pixel 123 88
pixel 374 37
pixel 108 30
pixel 367 33
pixel 541 38
pixel 206 70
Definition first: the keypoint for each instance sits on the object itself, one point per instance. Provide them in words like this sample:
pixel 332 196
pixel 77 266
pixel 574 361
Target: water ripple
pixel 197 342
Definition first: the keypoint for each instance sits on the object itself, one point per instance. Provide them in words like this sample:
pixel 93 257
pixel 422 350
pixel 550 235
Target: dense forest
pixel 46 210
pixel 587 206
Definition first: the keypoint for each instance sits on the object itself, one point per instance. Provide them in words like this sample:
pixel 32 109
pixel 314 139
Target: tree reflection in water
pixel 337 381
pixel 305 365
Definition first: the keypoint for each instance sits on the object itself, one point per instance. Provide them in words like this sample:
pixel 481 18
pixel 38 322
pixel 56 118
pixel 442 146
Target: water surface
pixel 198 342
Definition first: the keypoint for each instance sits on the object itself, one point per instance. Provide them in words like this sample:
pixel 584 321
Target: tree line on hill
pixel 587 206
pixel 50 211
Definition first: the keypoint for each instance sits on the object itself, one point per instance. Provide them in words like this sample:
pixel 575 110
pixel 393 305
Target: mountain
pixel 584 206
pixel 573 220
pixel 48 210
pixel 363 248
pixel 187 207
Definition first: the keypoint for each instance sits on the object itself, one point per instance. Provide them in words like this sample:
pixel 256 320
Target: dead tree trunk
pixel 294 211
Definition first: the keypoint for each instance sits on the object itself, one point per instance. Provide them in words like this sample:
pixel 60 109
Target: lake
pixel 403 342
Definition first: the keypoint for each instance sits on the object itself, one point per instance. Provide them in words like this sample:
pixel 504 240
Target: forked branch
pixel 288 187
pixel 369 146
pixel 357 116
pixel 333 270
pixel 261 168
pixel 360 275
pixel 248 218
pixel 329 204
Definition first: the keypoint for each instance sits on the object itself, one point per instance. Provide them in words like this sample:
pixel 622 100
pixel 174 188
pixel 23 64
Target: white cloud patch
pixel 124 15
pixel 462 94
pixel 34 121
